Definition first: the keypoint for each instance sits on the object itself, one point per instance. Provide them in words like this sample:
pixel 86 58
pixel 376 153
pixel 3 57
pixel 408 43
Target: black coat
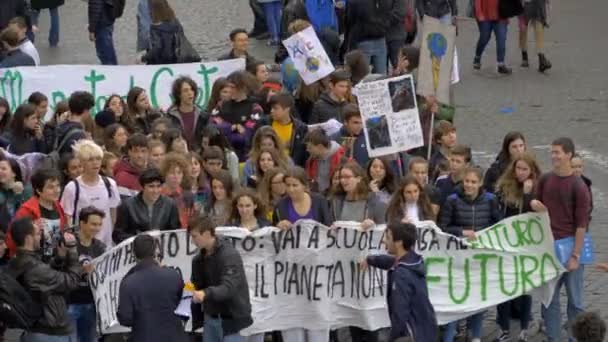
pixel 149 295
pixel 53 284
pixel 368 20
pixel 326 108
pixel 99 15
pixel 297 146
pixel 13 8
pixel 222 276
pixel 459 212
pixel 132 217
pixel 42 4
pixel 163 43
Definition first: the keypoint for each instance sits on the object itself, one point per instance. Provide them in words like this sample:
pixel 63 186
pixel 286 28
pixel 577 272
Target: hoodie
pixel 326 108
pixel 127 178
pixel 65 128
pixel 319 170
pixel 163 43
pixel 409 306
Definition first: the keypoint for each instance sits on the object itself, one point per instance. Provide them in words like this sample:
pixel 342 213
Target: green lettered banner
pixel 309 276
pixel 59 81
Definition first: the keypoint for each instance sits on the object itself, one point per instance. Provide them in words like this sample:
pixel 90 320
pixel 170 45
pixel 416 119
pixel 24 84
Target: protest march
pixel 324 194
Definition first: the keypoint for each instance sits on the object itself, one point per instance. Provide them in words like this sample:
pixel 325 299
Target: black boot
pixel 524 59
pixel 503 69
pixel 543 63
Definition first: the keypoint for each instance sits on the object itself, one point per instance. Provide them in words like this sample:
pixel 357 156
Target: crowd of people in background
pixel 249 159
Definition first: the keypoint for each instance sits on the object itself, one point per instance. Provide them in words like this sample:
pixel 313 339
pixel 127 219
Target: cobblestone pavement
pixel 571 99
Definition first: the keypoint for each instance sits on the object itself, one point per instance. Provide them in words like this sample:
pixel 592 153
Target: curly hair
pixel 397 203
pixel 589 327
pixel 510 189
pixel 173 160
pixel 260 210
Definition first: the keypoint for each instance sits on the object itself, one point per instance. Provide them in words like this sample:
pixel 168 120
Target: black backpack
pixel 116 7
pixel 18 309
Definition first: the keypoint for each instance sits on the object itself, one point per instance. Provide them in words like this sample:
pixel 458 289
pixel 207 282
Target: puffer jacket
pixel 50 286
pixel 460 213
pixel 326 108
pixel 132 217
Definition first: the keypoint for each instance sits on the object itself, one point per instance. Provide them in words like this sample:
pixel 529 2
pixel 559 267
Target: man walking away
pixel 219 277
pixel 149 295
pixel 409 307
pixel 101 29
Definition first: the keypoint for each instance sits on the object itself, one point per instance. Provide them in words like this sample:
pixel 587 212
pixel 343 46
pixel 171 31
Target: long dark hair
pixel 389 181
pixel 23 112
pixel 130 113
pixel 396 205
pixel 216 90
pixel 6 118
pixel 504 156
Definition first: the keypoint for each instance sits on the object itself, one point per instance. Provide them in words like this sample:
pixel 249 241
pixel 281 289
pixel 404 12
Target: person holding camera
pixel 81 307
pixel 49 285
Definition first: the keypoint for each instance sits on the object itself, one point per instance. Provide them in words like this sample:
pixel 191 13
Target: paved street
pixel 569 100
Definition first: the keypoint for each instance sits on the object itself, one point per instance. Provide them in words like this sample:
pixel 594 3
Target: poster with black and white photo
pixel 390 115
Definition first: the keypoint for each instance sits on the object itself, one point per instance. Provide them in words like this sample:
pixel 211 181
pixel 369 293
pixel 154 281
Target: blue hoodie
pixel 322 14
pixel 409 306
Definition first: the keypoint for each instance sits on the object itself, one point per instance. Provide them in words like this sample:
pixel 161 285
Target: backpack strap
pixel 108 185
pixel 59 144
pixel 76 198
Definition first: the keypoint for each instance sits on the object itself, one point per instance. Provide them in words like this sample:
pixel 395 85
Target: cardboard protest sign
pixel 391 122
pixel 308 55
pixel 309 276
pixel 436 59
pixel 57 82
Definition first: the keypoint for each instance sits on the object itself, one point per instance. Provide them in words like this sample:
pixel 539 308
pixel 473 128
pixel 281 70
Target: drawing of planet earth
pixel 313 64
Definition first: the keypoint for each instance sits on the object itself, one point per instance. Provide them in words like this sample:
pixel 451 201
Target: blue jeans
pixel 375 50
pixel 213 332
pixel 104 45
pixel 485 33
pixel 552 315
pixel 272 12
pixel 54 30
pixel 35 337
pixel 474 323
pixel 83 320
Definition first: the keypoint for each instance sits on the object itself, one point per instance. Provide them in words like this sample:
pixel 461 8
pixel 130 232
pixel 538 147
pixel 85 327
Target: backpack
pixel 18 309
pixel 117 8
pixel 106 182
pixel 52 160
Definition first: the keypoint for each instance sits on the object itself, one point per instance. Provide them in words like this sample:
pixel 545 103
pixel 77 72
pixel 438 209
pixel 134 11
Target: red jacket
pixel 312 164
pixel 127 178
pixel 31 209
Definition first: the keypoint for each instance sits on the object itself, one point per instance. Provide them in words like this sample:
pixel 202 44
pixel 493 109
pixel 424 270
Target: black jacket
pixel 510 209
pixel 17 58
pixel 459 212
pixel 50 286
pixel 437 8
pixel 132 217
pixel 319 206
pixel 297 146
pixel 368 20
pixel 496 170
pixel 42 4
pixel 19 145
pixel 222 276
pixel 396 31
pixel 13 8
pixel 69 127
pixel 249 59
pixel 326 108
pixel 163 43
pixel 149 310
pixel 99 15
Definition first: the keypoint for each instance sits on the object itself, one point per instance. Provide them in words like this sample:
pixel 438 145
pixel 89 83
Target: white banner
pixel 310 277
pixel 308 55
pixel 57 82
pixel 390 115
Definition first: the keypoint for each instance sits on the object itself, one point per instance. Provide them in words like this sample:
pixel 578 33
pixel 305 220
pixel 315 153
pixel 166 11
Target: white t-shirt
pixel 96 196
pixel 28 48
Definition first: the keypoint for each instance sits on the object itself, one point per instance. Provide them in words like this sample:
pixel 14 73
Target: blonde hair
pixel 87 149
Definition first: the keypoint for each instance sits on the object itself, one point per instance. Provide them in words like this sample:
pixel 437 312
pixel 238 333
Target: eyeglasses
pixel 278 182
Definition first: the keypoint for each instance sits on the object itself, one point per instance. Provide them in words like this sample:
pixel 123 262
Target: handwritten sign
pixel 308 55
pixel 390 115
